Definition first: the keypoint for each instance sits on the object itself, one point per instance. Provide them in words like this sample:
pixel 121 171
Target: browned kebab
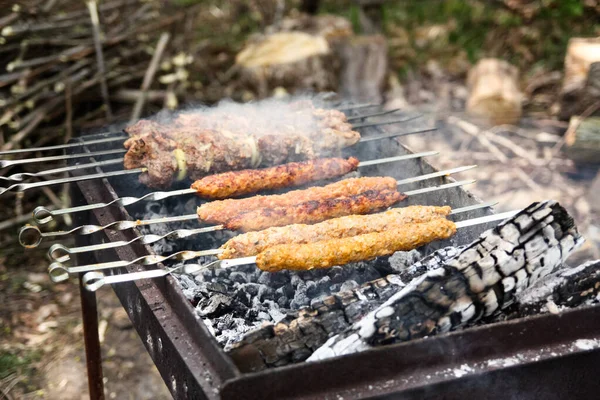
pixel 195 144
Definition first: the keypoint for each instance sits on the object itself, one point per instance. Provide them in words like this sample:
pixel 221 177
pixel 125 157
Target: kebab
pixel 238 183
pixel 423 232
pixel 365 201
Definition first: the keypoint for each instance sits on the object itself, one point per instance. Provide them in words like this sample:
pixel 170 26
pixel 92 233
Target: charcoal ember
pixel 274 279
pixel 283 302
pixel 399 261
pixel 216 305
pixel 348 285
pixel 265 292
pixel 238 277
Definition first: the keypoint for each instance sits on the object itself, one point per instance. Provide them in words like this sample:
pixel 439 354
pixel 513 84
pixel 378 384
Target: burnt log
pixel 582 141
pixel 481 281
pixel 565 288
pixel 494 91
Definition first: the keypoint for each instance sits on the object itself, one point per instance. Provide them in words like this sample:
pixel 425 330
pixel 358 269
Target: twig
pixel 19 204
pixel 93 8
pixel 474 131
pixel 149 76
pixel 512 146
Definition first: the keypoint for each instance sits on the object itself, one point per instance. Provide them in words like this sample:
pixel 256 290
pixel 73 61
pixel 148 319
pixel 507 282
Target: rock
pixel 494 92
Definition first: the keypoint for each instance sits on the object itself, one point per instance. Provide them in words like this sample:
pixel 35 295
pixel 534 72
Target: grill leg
pixel 93 357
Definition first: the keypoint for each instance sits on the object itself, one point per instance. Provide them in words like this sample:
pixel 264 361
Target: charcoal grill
pixel 546 356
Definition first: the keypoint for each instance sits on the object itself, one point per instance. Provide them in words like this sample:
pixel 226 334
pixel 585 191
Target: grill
pixel 543 356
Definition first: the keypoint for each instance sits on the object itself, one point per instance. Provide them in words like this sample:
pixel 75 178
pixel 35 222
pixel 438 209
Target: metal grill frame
pixel 193 365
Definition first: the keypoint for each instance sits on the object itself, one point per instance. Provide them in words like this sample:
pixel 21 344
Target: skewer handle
pixel 24 175
pixel 31 236
pixel 93 281
pixel 43 215
pixel 21 187
pixel 64 146
pixel 8 163
pixel 61 253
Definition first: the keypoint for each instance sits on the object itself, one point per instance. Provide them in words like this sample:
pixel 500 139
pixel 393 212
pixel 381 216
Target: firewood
pixel 582 141
pixel 581 83
pixel 364 68
pixel 300 55
pixel 494 91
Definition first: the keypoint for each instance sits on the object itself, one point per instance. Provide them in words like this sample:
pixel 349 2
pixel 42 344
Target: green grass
pixel 22 364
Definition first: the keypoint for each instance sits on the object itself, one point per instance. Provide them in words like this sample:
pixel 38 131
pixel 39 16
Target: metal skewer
pixel 42 215
pixel 123 137
pixel 61 253
pixel 393 121
pixel 355 106
pixel 8 163
pixel 63 146
pixel 59 272
pixel 21 187
pixel 21 176
pixel 375 114
pixel 94 279
pixel 31 236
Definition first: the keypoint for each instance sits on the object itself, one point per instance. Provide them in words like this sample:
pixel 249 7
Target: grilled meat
pixel 252 243
pixel 217 212
pixel 314 211
pixel 199 144
pixel 239 183
pixel 328 253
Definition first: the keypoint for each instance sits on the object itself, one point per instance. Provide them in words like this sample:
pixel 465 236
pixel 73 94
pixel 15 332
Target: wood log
pixel 364 68
pixel 581 83
pixel 494 91
pixel 300 56
pixel 582 141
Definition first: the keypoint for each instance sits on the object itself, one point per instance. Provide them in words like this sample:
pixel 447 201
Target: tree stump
pixel 582 141
pixel 581 83
pixel 364 61
pixel 494 92
pixel 301 55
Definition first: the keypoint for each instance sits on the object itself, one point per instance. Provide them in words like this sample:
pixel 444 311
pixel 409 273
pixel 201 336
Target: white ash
pixel 233 301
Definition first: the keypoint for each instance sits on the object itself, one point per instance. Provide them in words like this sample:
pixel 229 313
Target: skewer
pixel 23 175
pixel 94 279
pixel 8 163
pixel 393 121
pixel 355 107
pixel 59 272
pixel 60 253
pixel 375 114
pixel 62 146
pixel 122 137
pixel 43 215
pixel 30 236
pixel 20 188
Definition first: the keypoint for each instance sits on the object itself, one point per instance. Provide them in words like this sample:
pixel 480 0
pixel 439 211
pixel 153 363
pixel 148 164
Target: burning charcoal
pixel 283 302
pixel 349 285
pixel 400 260
pixel 485 276
pixel 216 305
pixel 311 288
pixel 265 292
pixel 337 274
pixel 263 316
pixel 238 277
